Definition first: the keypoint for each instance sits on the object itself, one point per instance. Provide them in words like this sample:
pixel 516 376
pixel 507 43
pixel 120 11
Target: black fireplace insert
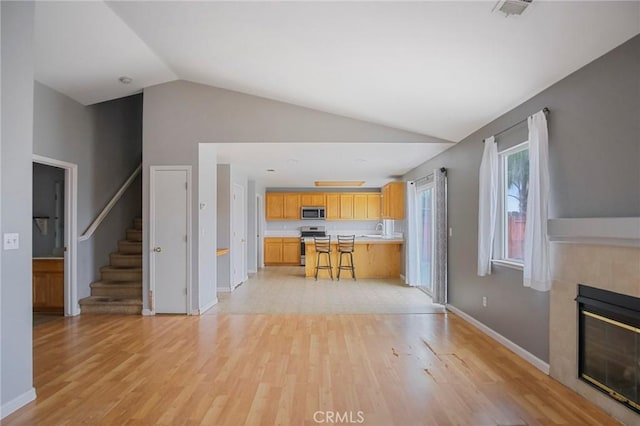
pixel 609 343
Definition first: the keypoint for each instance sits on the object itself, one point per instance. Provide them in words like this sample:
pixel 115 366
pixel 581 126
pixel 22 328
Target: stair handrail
pixel 105 211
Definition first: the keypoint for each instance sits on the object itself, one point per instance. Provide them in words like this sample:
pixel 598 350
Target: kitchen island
pixel 373 257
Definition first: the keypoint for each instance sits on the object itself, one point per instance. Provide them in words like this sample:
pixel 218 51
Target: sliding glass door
pixel 425 215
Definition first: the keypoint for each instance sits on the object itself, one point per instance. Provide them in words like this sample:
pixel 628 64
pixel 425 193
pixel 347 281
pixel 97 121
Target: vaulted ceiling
pixel 441 69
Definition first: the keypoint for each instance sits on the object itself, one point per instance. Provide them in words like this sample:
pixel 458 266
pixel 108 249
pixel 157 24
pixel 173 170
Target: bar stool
pixel 346 245
pixel 323 246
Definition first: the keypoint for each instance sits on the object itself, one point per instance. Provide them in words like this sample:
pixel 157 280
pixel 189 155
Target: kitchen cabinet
pixel 366 206
pixel 282 205
pixel 346 206
pixel 48 285
pixel 332 210
pixel 338 205
pixel 291 251
pixel 281 251
pixel 393 200
pixel 312 199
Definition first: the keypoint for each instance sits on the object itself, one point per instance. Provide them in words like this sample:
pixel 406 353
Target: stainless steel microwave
pixel 309 213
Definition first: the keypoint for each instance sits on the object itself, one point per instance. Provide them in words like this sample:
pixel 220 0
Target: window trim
pixel 500 242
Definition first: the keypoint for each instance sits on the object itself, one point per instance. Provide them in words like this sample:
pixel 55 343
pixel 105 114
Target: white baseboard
pixel 518 350
pixel 17 402
pixel 147 312
pixel 208 306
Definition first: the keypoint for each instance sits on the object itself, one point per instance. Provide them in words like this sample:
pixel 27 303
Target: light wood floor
pixel 251 369
pixel 284 289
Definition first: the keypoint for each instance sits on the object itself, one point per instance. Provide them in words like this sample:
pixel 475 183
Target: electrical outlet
pixel 484 301
pixel 11 241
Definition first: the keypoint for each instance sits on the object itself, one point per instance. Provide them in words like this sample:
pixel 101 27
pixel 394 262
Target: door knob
pixel 157 249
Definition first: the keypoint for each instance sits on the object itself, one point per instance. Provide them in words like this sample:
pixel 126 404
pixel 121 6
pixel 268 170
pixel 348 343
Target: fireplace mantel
pixel 614 231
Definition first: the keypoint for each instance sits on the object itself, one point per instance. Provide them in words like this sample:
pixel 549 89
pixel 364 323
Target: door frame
pixel 424 188
pixel 71 306
pixel 238 223
pixel 259 230
pixel 152 262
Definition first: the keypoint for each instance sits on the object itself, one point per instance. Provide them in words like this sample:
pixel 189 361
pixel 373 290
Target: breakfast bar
pixel 373 257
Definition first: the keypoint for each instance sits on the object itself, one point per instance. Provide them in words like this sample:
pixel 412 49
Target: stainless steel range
pixel 306 232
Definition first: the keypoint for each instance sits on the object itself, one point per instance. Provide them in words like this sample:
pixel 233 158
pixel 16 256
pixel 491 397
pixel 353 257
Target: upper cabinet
pixel 313 199
pixel 393 200
pixel 282 206
pixel 338 205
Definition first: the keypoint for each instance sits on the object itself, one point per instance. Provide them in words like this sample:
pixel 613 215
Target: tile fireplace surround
pixel 605 259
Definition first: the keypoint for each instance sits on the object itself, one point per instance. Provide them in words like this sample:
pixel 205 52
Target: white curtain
pixel 412 256
pixel 439 288
pixel 537 271
pixel 488 205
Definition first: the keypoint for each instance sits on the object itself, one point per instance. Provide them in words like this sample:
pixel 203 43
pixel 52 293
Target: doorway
pixel 170 239
pixel 55 194
pixel 426 228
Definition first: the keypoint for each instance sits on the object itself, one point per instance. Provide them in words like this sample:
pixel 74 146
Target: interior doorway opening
pixel 54 237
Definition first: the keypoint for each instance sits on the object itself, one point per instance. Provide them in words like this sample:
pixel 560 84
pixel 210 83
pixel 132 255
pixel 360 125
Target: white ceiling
pixel 301 164
pixel 441 69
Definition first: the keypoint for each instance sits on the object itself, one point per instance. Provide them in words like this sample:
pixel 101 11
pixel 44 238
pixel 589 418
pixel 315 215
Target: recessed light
pixel 360 160
pixel 125 80
pixel 271 170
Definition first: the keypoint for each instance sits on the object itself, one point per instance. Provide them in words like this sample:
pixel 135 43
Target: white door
pixel 169 235
pixel 238 237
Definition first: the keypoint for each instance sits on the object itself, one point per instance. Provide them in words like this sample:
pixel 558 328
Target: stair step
pixel 125 260
pixel 117 289
pixel 109 273
pixel 111 305
pixel 137 223
pixel 134 234
pixel 130 247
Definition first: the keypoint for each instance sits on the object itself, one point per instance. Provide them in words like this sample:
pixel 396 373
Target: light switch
pixel 11 241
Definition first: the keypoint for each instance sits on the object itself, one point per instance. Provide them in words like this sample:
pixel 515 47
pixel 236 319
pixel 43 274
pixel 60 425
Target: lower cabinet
pixel 48 285
pixel 281 251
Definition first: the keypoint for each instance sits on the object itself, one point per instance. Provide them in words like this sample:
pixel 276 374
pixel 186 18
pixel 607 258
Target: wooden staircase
pixel 119 290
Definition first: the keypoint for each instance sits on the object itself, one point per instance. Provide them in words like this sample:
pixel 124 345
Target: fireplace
pixel 609 344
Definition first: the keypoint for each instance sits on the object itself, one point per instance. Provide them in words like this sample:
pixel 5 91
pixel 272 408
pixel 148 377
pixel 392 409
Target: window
pixel 512 207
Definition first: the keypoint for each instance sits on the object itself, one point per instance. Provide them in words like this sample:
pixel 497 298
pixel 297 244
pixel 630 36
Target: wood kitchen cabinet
pixel 346 206
pixel 281 251
pixel 291 251
pixel 312 199
pixel 393 200
pixel 282 205
pixel 366 206
pixel 48 285
pixel 332 210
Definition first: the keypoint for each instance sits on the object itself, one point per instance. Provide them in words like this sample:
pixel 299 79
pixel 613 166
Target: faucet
pixel 379 224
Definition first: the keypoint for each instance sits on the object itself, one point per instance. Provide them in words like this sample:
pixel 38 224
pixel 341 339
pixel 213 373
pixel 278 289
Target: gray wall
pixel 179 115
pixel 105 141
pixel 16 370
pixel 594 151
pixel 44 205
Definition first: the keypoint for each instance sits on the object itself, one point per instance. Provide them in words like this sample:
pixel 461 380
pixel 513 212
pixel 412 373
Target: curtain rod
pixel 545 110
pixel 429 176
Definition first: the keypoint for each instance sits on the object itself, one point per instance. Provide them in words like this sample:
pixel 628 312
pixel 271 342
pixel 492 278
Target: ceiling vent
pixel 512 7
